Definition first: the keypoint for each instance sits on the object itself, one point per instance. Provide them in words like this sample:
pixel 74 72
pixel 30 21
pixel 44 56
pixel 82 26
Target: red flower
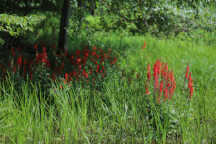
pixel 149 72
pixel 187 71
pixel 98 68
pixel 155 70
pixel 93 53
pixel 190 84
pixel 166 93
pixel 77 52
pixel 161 88
pixel 144 45
pixel 85 74
pixel 66 77
pixel 164 72
pixel 156 84
pixel 94 48
pixel 19 61
pixel 114 61
pixel 147 92
pixel 191 92
pixel 36 47
pixel 78 60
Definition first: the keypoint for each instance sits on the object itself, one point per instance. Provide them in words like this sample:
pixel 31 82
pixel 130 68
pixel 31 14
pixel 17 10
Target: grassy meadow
pixel 117 109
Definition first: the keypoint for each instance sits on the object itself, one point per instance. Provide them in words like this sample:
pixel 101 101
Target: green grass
pixel 120 112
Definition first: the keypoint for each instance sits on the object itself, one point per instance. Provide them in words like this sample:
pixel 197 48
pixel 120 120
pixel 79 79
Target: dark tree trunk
pixel 62 44
pixel 93 7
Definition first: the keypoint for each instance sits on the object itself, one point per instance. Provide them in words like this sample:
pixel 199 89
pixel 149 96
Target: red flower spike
pixel 44 50
pixel 78 60
pixel 156 83
pixel 114 61
pixel 171 91
pixel 77 52
pixel 35 47
pixel 98 68
pixel 66 77
pixel 25 62
pixel 187 71
pixel 165 71
pixel 94 48
pixel 93 53
pixel 147 92
pixel 190 84
pixel 19 61
pixel 149 72
pixel 31 75
pixel 144 45
pixel 161 88
pixel 166 93
pixel 156 68
pixel 85 74
pixel 191 92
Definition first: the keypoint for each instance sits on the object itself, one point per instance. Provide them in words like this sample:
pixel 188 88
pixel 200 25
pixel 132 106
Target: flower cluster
pixel 87 63
pixel 163 81
pixel 190 81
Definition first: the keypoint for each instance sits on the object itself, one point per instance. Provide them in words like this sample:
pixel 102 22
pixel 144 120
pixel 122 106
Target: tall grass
pixel 119 111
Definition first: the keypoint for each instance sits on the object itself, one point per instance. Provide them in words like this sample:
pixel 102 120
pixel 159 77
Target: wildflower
pixel 114 61
pixel 166 93
pixel 161 88
pixel 190 85
pixel 35 47
pixel 85 74
pixel 19 61
pixel 157 67
pixel 98 67
pixel 78 60
pixel 94 48
pixel 66 76
pixel 93 53
pixel 147 92
pixel 164 72
pixel 156 84
pixel 144 45
pixel 191 92
pixel 187 71
pixel 160 91
pixel 77 52
pixel 149 72
pixel 190 81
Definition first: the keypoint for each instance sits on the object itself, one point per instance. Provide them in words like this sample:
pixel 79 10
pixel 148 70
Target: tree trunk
pixel 62 44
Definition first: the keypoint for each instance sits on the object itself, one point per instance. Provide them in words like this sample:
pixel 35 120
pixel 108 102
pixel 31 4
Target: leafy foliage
pixel 19 26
